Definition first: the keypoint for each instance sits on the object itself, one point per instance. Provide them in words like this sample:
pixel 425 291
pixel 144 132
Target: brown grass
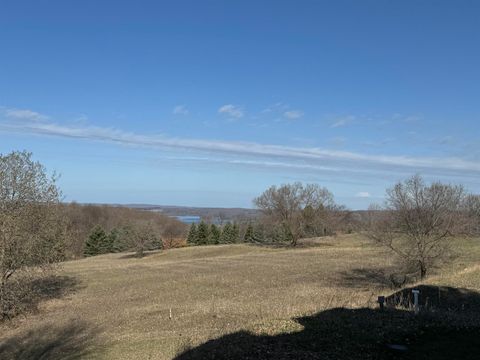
pixel 168 301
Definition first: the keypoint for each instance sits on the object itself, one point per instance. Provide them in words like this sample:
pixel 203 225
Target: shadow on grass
pixel 387 277
pixel 24 294
pixel 302 244
pixel 136 256
pixel 361 334
pixel 54 287
pixel 365 278
pixel 75 340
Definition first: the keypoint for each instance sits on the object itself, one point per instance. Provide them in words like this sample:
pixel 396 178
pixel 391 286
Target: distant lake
pixel 188 219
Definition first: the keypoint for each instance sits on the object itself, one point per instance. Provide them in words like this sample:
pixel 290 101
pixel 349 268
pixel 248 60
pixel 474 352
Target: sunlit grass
pixel 159 305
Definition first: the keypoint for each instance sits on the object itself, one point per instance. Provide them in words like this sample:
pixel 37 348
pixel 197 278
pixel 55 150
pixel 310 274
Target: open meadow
pixel 117 306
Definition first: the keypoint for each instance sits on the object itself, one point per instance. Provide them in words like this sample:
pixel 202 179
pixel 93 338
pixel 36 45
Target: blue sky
pixel 207 103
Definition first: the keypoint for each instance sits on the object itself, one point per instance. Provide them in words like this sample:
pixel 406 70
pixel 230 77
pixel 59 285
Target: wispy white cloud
pixel 290 155
pixel 278 107
pixel 378 143
pixel 282 110
pixel 406 118
pixel 180 110
pixel 342 121
pixel 24 114
pixel 363 194
pixel 293 114
pixel 233 111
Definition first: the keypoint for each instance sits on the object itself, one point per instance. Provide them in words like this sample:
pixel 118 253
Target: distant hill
pixel 217 215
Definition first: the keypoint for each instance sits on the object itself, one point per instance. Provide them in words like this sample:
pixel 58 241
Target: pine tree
pixel 192 237
pixel 202 233
pixel 214 234
pixel 249 236
pixel 224 237
pixel 258 233
pixel 107 244
pixel 156 243
pixel 228 234
pixel 120 238
pixel 113 238
pixel 235 233
pixel 96 241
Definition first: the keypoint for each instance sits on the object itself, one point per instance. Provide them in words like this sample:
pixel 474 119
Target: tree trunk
pixel 294 241
pixel 423 270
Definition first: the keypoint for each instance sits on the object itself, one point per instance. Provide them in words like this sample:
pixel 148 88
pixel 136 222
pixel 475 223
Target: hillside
pixel 119 307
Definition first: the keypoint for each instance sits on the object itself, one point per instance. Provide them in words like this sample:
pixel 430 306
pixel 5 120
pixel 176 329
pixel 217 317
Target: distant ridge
pixel 206 213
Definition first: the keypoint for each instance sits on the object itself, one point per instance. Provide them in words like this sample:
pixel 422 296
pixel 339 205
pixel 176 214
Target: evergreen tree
pixel 202 233
pixel 113 236
pixel 96 242
pixel 249 234
pixel 228 234
pixel 120 239
pixel 156 243
pixel 192 237
pixel 235 233
pixel 224 237
pixel 214 234
pixel 107 244
pixel 123 238
pixel 258 233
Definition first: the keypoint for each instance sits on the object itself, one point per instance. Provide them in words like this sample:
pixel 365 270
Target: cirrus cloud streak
pixel 307 157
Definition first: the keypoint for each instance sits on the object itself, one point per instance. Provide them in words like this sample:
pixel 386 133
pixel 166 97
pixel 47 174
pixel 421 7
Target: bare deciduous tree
pixel 472 209
pixel 144 237
pixel 119 219
pixel 32 229
pixel 172 232
pixel 418 222
pixel 294 205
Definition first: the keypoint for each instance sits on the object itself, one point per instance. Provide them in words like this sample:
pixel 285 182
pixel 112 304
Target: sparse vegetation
pixel 32 229
pixel 472 208
pixel 419 222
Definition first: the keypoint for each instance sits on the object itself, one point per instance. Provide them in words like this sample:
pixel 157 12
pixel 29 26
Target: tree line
pixel 100 229
pixel 211 234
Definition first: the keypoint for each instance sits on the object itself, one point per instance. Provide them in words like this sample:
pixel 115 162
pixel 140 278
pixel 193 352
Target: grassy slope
pixel 122 307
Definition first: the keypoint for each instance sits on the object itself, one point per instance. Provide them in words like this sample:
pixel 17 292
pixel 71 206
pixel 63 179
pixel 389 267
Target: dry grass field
pixel 120 307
